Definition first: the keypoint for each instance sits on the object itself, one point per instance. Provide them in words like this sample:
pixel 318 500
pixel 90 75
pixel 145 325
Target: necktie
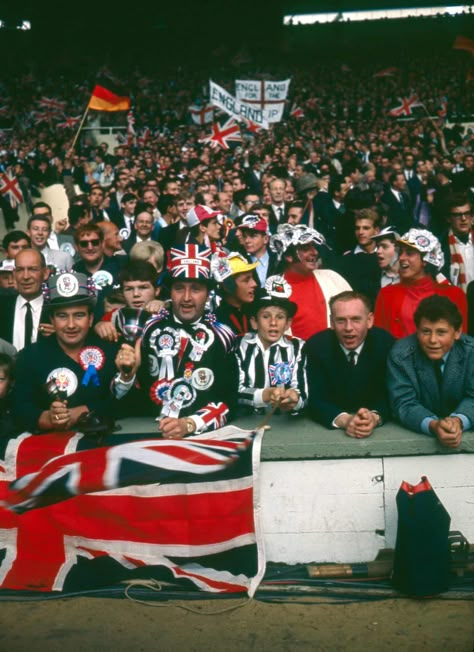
pixel 438 364
pixel 259 370
pixel 352 358
pixel 402 199
pixel 28 323
pixel 280 214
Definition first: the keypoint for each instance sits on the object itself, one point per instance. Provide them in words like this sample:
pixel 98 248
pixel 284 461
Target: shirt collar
pixel 357 350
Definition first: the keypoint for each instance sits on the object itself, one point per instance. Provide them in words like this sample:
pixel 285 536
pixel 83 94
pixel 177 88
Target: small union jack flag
pixel 10 188
pixel 406 106
pixel 221 136
pixel 143 137
pixel 214 415
pixel 191 262
pixel 52 104
pixel 69 123
pixel 296 112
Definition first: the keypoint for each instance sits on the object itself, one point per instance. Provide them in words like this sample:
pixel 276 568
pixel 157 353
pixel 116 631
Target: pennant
pixel 104 100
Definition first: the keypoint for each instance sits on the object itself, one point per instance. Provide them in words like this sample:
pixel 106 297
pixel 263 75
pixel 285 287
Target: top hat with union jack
pixel 190 262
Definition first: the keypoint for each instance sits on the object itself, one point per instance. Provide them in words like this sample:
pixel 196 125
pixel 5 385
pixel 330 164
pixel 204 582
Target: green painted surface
pixel 302 439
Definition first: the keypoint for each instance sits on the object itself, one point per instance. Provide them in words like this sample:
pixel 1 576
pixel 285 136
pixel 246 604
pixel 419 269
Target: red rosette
pixel 91 356
pixel 158 390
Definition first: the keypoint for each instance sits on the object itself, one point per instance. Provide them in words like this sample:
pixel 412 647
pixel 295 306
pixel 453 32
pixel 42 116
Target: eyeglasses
pixel 84 244
pixel 460 215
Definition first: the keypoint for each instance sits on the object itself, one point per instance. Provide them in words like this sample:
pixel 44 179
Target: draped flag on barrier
pixel 74 516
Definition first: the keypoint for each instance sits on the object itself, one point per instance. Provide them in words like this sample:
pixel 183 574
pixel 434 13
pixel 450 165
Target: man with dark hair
pixel 431 374
pixel 14 242
pixel 66 375
pixel 299 251
pixel 398 203
pixel 458 243
pixel 189 369
pixel 346 367
pixel 21 315
pixel 39 230
pixel 236 285
pixel 420 259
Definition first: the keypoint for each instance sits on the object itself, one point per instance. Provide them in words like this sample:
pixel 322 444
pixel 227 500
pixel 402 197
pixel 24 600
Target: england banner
pixel 219 97
pixel 267 95
pixel 76 516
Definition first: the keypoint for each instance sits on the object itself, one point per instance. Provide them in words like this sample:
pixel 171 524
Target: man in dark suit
pixel 15 327
pixel 346 368
pixel 398 203
pixel 431 374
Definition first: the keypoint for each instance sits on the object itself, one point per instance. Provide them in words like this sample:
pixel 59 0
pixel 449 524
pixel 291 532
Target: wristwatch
pixel 380 420
pixel 190 426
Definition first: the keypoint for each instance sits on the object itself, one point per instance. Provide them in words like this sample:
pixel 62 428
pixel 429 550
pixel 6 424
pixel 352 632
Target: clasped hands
pixel 285 399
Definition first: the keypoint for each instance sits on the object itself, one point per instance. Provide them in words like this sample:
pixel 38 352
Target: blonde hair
pixel 150 251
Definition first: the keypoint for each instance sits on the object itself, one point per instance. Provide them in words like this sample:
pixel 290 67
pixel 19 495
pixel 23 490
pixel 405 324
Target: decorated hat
pixel 426 243
pixel 69 288
pixel 190 262
pixel 224 266
pixel 387 232
pixel 276 292
pixel 7 265
pixel 199 214
pixel 297 235
pixel 253 223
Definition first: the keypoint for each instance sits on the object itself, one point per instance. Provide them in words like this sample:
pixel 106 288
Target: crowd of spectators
pixel 342 166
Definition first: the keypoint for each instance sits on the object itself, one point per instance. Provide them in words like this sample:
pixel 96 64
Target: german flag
pixel 104 100
pixel 464 43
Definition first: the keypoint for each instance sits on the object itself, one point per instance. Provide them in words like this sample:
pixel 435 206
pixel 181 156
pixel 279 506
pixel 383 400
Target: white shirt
pixel 19 320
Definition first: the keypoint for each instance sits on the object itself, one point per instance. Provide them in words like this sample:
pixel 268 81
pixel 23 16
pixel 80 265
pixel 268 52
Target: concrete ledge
pixel 302 439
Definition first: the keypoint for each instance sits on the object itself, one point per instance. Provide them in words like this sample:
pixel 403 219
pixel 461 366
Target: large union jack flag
pixel 73 516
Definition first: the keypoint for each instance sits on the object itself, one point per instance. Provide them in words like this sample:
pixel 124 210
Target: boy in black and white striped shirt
pixel 271 364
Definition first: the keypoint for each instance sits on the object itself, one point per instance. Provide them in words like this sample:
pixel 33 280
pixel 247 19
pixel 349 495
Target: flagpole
pixel 80 127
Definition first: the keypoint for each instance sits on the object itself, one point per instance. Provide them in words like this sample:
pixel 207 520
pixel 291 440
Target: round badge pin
pixel 182 392
pixel 124 233
pixel 67 285
pixel 280 373
pixel 91 356
pixel 102 278
pixel 68 248
pixel 202 378
pixel 65 379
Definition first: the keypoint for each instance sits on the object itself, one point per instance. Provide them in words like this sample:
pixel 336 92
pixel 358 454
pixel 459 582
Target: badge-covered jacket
pixel 190 369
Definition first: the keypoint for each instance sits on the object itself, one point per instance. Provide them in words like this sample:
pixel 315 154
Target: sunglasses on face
pixel 83 244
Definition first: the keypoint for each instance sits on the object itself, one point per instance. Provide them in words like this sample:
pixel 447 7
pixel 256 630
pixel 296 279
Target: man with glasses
pixel 458 244
pixel 93 262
